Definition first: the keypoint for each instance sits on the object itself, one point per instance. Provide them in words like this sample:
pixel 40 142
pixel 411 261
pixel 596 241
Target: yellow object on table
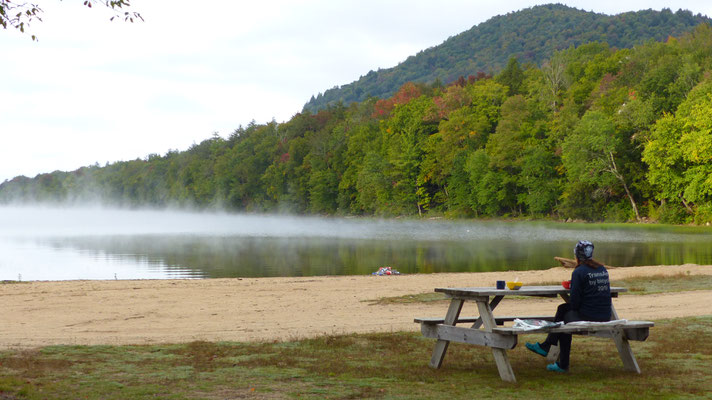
pixel 514 285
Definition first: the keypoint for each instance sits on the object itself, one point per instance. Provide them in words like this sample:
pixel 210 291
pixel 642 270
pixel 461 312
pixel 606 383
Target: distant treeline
pixel 531 35
pixel 595 134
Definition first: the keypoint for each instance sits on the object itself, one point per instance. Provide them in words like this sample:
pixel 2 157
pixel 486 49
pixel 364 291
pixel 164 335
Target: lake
pixel 42 243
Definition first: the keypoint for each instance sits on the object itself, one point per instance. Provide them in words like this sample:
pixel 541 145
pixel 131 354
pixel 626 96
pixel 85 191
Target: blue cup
pixel 500 284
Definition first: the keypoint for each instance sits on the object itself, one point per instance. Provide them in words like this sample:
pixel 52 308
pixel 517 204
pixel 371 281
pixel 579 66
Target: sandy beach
pixel 266 309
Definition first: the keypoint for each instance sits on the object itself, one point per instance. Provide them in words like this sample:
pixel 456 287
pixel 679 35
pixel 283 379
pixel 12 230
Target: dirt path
pixel 256 309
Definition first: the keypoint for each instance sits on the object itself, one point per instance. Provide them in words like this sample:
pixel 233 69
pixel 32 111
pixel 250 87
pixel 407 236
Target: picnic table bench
pixel 488 330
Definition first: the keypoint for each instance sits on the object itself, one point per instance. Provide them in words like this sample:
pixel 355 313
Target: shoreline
pixel 152 311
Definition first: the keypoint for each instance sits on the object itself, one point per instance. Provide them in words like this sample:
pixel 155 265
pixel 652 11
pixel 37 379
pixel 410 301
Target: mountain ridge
pixel 521 34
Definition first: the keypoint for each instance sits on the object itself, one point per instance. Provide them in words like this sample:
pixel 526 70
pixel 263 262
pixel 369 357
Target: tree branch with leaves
pixel 18 15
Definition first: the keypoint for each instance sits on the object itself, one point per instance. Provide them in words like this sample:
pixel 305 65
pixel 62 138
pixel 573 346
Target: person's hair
pixel 590 262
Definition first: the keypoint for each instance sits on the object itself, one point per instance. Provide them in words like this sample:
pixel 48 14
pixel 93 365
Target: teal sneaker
pixel 555 367
pixel 537 349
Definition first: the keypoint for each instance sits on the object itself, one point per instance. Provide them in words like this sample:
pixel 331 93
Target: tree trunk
pixel 614 171
pixel 632 202
pixel 554 74
pixel 687 206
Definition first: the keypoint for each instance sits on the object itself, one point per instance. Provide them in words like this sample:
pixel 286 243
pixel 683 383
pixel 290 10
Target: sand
pixel 267 309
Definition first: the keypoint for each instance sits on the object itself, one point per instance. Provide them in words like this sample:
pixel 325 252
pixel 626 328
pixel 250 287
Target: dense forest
pixel 596 133
pixel 530 35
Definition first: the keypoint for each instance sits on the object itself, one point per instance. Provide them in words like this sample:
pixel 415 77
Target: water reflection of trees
pixel 229 256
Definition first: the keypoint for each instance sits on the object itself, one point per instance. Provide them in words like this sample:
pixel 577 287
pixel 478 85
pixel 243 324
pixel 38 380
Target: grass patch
pixel 640 285
pixel 675 362
pixel 409 299
pixel 665 283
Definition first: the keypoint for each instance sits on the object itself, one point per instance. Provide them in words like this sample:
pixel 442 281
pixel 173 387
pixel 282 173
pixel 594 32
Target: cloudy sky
pixel 93 91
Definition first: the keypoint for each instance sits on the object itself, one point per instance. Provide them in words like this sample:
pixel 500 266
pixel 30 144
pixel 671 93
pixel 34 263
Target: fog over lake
pixel 42 243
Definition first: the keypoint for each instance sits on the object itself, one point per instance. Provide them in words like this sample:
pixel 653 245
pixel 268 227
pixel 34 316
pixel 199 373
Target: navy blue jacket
pixel 591 293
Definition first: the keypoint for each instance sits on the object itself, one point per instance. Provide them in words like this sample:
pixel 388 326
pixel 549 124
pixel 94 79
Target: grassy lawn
pixel 660 284
pixel 675 362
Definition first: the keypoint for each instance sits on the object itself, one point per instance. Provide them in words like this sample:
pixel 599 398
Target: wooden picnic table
pixel 485 331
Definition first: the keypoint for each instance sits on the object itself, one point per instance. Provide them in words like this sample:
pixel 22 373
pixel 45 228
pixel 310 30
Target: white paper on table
pixel 532 324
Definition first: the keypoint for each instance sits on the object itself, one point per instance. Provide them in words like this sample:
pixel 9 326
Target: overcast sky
pixel 93 91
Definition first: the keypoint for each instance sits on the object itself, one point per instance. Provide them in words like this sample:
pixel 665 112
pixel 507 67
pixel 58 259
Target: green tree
pixel 556 81
pixel 590 155
pixel 373 184
pixel 516 144
pixel 364 140
pixel 240 169
pixel 539 179
pixel 325 163
pixel 679 152
pixel 460 132
pixel 405 133
pixel 489 187
pixel 512 76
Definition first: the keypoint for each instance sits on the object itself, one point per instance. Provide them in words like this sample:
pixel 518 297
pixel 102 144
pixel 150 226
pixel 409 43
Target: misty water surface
pixel 95 243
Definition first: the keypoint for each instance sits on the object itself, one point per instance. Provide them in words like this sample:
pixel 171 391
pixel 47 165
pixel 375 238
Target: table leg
pixel 500 355
pixel 495 301
pixel 453 312
pixel 614 313
pixel 624 350
pixel 626 353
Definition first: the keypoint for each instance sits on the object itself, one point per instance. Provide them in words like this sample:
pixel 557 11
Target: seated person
pixel 590 300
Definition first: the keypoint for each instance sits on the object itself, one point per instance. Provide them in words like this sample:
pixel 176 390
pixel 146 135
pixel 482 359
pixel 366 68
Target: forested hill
pixel 596 133
pixel 530 35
